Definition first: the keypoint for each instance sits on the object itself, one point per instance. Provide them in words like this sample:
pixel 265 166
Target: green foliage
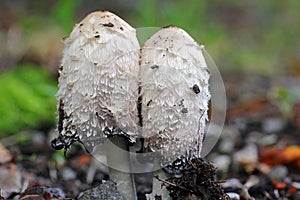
pixel 285 98
pixel 31 157
pixel 154 13
pixel 257 36
pixel 147 15
pixel 64 13
pixel 27 99
pixel 58 158
pixel 282 98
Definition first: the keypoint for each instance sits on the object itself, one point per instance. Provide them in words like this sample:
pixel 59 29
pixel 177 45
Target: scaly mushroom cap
pixel 98 83
pixel 175 95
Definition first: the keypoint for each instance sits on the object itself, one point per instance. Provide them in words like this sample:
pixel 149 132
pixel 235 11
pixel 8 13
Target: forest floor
pixel 257 156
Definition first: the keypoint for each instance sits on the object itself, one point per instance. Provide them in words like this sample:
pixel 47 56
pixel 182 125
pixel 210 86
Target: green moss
pixel 27 99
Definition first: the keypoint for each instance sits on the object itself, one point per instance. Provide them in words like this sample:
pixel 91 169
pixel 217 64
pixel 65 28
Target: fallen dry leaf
pixel 5 155
pixel 81 160
pixel 10 179
pixel 269 156
pixel 279 185
pixel 290 155
pixel 293 189
pixel 84 159
pixel 42 193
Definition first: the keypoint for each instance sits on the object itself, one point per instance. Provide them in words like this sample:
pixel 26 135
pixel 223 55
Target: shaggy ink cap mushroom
pixel 175 95
pixel 98 82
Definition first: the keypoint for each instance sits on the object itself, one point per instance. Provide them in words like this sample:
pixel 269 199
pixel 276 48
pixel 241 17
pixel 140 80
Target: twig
pixel 193 165
pixel 220 181
pixel 173 184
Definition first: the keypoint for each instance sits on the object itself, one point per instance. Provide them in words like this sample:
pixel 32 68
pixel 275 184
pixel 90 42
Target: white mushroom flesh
pixel 175 95
pixel 98 83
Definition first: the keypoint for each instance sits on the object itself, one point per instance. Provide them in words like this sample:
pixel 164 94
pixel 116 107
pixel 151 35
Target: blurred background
pixel 244 38
pixel 255 45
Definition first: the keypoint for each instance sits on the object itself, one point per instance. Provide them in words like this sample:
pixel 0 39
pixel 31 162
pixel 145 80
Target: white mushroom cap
pixel 175 95
pixel 98 83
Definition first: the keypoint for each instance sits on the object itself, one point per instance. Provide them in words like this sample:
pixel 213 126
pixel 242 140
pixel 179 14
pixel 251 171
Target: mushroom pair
pixel 110 87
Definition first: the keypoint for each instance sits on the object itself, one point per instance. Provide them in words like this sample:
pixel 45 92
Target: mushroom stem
pixel 157 186
pixel 121 158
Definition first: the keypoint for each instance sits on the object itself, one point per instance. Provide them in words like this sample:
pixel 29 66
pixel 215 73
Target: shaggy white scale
pixel 111 88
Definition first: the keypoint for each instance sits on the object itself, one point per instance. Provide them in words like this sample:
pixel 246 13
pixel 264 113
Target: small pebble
pixel 222 162
pixel 253 137
pixel 268 140
pixel 229 132
pixel 240 123
pixel 39 138
pixel 106 190
pixel 232 183
pixel 226 145
pixel 278 172
pixel 233 196
pixel 253 180
pixel 56 192
pixel 296 185
pixel 247 155
pixel 68 174
pixel 272 125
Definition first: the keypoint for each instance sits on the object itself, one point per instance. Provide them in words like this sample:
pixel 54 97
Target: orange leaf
pixel 278 185
pixel 293 189
pixel 290 155
pixel 269 156
pixel 84 159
